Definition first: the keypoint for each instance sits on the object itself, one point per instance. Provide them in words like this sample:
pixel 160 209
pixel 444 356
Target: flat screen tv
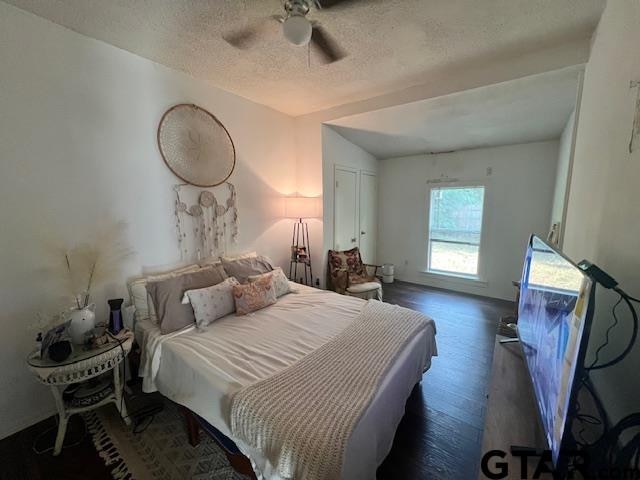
pixel 554 320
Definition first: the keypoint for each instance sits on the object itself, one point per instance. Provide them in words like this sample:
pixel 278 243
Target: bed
pixel 201 369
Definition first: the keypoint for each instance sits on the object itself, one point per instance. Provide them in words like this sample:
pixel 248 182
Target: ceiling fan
pixel 296 28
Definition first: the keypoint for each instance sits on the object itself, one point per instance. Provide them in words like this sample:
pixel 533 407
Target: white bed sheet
pixel 200 368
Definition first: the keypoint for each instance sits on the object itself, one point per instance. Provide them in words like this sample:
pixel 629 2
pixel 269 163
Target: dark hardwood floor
pixel 441 433
pixel 439 437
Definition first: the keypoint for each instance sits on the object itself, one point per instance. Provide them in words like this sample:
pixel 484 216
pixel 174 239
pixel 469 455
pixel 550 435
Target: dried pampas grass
pixel 78 269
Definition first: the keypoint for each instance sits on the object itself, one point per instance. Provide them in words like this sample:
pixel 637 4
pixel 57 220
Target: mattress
pixel 201 368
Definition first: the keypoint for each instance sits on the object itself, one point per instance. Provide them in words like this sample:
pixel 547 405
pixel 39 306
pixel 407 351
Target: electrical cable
pixel 625 294
pixel 142 414
pixel 623 297
pixel 37 451
pixel 606 339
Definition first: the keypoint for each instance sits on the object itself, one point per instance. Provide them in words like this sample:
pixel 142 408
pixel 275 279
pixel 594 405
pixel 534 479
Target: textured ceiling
pixel 392 44
pixel 526 110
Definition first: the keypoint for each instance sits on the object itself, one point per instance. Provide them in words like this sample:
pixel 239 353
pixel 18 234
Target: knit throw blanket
pixel 302 417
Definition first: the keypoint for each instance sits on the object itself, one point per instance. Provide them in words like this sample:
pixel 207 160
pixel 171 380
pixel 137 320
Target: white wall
pixel 77 144
pixel 450 79
pixel 565 151
pixel 602 216
pixel 337 150
pixel 519 194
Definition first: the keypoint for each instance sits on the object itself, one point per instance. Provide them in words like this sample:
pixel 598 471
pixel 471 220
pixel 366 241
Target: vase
pixel 83 320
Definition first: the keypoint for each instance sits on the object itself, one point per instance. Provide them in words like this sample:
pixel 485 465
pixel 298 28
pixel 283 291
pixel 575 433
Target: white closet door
pixel 346 233
pixel 368 216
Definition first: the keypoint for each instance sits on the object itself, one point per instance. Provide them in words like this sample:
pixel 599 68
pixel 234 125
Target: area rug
pixel 161 452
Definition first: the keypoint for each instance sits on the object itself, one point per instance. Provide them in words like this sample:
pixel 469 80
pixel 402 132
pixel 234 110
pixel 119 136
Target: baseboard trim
pixel 25 423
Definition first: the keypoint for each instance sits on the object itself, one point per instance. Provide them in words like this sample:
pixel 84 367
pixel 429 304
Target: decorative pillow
pixel 138 290
pixel 278 278
pixel 211 303
pixel 254 296
pixel 167 297
pixel 242 268
pixel 230 258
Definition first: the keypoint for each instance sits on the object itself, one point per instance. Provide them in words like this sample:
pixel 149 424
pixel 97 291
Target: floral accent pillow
pixel 279 279
pixel 254 296
pixel 211 303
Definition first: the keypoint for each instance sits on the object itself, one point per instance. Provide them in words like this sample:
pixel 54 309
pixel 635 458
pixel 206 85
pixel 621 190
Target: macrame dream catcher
pixel 198 149
pixel 205 227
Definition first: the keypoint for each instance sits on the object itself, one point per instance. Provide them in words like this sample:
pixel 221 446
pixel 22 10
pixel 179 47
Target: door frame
pixel 371 173
pixel 345 168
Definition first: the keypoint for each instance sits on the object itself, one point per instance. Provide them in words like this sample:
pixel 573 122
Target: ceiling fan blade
pixel 328 48
pixel 248 36
pixel 320 4
pixel 242 38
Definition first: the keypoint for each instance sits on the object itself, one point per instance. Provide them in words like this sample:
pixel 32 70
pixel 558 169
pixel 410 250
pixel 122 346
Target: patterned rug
pixel 161 452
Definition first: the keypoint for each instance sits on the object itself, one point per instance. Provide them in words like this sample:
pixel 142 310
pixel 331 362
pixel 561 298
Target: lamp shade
pixel 301 207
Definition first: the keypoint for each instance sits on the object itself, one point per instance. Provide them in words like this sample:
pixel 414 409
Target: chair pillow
pixel 167 297
pixel 279 279
pixel 254 296
pixel 211 303
pixel 243 268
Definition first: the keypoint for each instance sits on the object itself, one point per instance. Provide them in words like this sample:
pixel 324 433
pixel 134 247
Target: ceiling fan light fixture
pixel 297 29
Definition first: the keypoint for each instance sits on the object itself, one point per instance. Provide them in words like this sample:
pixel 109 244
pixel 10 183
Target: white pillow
pixel 138 290
pixel 231 258
pixel 278 278
pixel 213 302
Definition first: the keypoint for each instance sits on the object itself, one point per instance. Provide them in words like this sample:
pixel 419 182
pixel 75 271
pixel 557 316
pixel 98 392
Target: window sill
pixel 453 278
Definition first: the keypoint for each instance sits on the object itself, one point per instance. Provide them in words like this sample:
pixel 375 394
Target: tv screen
pixel 552 314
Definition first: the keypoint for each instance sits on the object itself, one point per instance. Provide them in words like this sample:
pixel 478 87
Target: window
pixel 455 226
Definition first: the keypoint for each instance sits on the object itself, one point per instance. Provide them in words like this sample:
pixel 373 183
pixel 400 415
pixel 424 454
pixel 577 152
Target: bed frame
pixel 239 462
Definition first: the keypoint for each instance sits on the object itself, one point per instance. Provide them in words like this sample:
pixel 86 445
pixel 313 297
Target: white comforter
pixel 200 368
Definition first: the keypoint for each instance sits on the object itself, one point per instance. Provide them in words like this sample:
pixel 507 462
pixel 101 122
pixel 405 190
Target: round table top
pixel 79 354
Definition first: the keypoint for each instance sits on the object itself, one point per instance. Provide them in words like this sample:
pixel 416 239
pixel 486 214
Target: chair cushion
pixel 364 287
pixel 349 259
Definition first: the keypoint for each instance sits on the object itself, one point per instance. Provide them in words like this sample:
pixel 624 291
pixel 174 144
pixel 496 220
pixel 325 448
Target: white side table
pixel 83 364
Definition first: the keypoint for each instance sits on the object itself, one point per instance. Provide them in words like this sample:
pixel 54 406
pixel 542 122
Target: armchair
pixel 347 274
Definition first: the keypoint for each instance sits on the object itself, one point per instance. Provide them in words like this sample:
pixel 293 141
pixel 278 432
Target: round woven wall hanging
pixel 196 146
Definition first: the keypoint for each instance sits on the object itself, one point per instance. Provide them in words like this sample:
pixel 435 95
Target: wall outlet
pixel 406 263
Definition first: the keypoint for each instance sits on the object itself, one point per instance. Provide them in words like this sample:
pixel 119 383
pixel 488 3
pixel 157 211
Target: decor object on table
pixel 347 274
pixel 195 146
pixel 83 267
pixel 56 343
pixel 115 315
pixel 81 322
pixel 300 208
pixel 84 364
pixel 203 225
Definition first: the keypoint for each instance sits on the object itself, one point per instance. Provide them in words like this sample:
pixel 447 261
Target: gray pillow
pixel 167 297
pixel 243 268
